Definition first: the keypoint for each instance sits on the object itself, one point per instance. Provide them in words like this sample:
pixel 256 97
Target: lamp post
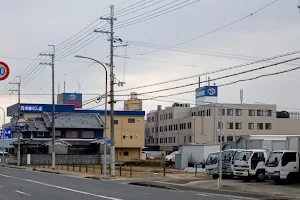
pixel 105 114
pixel 21 123
pixel 3 135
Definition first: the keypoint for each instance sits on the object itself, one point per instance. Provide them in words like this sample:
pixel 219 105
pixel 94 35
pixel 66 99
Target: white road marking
pixel 62 188
pixel 22 193
pixel 234 199
pixel 205 195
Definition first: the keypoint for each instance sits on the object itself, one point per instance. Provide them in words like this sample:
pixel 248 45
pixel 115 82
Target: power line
pixel 146 18
pixel 217 29
pixel 222 77
pixel 226 84
pixel 212 72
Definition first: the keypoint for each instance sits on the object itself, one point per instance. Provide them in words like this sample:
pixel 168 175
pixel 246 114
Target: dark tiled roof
pixel 75 120
pixel 36 125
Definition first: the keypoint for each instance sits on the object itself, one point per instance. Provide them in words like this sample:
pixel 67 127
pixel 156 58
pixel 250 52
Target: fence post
pixel 80 167
pixel 101 168
pixel 120 168
pixel 196 169
pixel 44 164
pixel 48 164
pixel 164 169
pixel 86 168
pixel 73 166
pixel 94 167
pixel 130 171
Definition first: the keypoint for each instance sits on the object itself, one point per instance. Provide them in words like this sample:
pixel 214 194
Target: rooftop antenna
pixel 241 95
pixel 64 86
pixel 199 82
pixel 206 77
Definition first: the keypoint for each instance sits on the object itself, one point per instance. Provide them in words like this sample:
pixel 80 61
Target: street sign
pixel 108 141
pixel 5 134
pixel 4 71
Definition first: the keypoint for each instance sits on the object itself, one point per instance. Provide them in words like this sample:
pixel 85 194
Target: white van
pixel 250 164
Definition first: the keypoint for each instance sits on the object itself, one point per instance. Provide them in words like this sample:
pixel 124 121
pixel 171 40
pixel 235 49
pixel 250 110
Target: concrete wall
pixel 62 159
pixel 128 154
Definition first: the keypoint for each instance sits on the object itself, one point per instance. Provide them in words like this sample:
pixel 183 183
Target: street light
pixel 105 115
pixel 21 123
pixel 3 134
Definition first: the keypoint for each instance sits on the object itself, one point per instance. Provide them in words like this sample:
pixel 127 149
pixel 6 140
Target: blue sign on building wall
pixel 207 91
pixel 6 134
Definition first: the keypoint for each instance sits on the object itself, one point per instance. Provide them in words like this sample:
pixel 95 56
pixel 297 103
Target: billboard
pixel 206 94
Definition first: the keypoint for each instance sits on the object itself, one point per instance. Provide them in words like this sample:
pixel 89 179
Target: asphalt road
pixel 25 185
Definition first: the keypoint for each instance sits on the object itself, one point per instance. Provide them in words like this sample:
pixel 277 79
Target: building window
pixel 223 112
pixel 219 124
pixel 260 113
pixel 229 138
pixel 251 112
pixel 268 126
pixel 131 120
pixel 72 134
pixel 184 139
pixel 190 138
pixel 124 136
pixel 166 140
pixel 174 139
pixel 131 137
pixel 152 130
pixel 153 119
pixel 184 126
pixel 208 112
pixel 238 125
pixel 250 126
pixel 88 134
pixel 268 113
pixel 260 126
pixel 156 129
pixel 148 119
pixel 125 153
pixel 222 138
pixel 238 112
pixel 116 121
pixel 229 112
pixel 39 134
pixel 166 116
pixel 189 125
pixel 229 125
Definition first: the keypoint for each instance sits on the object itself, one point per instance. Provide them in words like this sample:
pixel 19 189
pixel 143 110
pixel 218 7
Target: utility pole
pixel 53 101
pixel 111 20
pixel 19 110
pixel 221 147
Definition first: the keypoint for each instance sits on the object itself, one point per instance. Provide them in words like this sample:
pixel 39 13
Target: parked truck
pixel 211 164
pixel 250 164
pixel 283 165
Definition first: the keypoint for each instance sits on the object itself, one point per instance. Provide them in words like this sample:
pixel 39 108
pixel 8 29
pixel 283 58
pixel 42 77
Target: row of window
pixel 238 125
pixel 161 117
pixel 202 113
pixel 166 140
pixel 174 127
pixel 130 121
pixel 251 112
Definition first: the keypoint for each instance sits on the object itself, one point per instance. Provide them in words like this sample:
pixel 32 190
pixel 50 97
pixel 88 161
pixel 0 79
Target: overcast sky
pixel 27 27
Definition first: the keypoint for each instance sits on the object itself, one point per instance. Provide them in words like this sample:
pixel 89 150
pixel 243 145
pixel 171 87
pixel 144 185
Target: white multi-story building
pixel 180 124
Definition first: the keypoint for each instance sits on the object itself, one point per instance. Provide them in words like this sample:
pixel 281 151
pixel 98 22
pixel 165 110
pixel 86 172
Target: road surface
pixel 25 185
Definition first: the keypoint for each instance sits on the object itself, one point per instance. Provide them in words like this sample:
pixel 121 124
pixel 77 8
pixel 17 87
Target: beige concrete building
pixel 177 125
